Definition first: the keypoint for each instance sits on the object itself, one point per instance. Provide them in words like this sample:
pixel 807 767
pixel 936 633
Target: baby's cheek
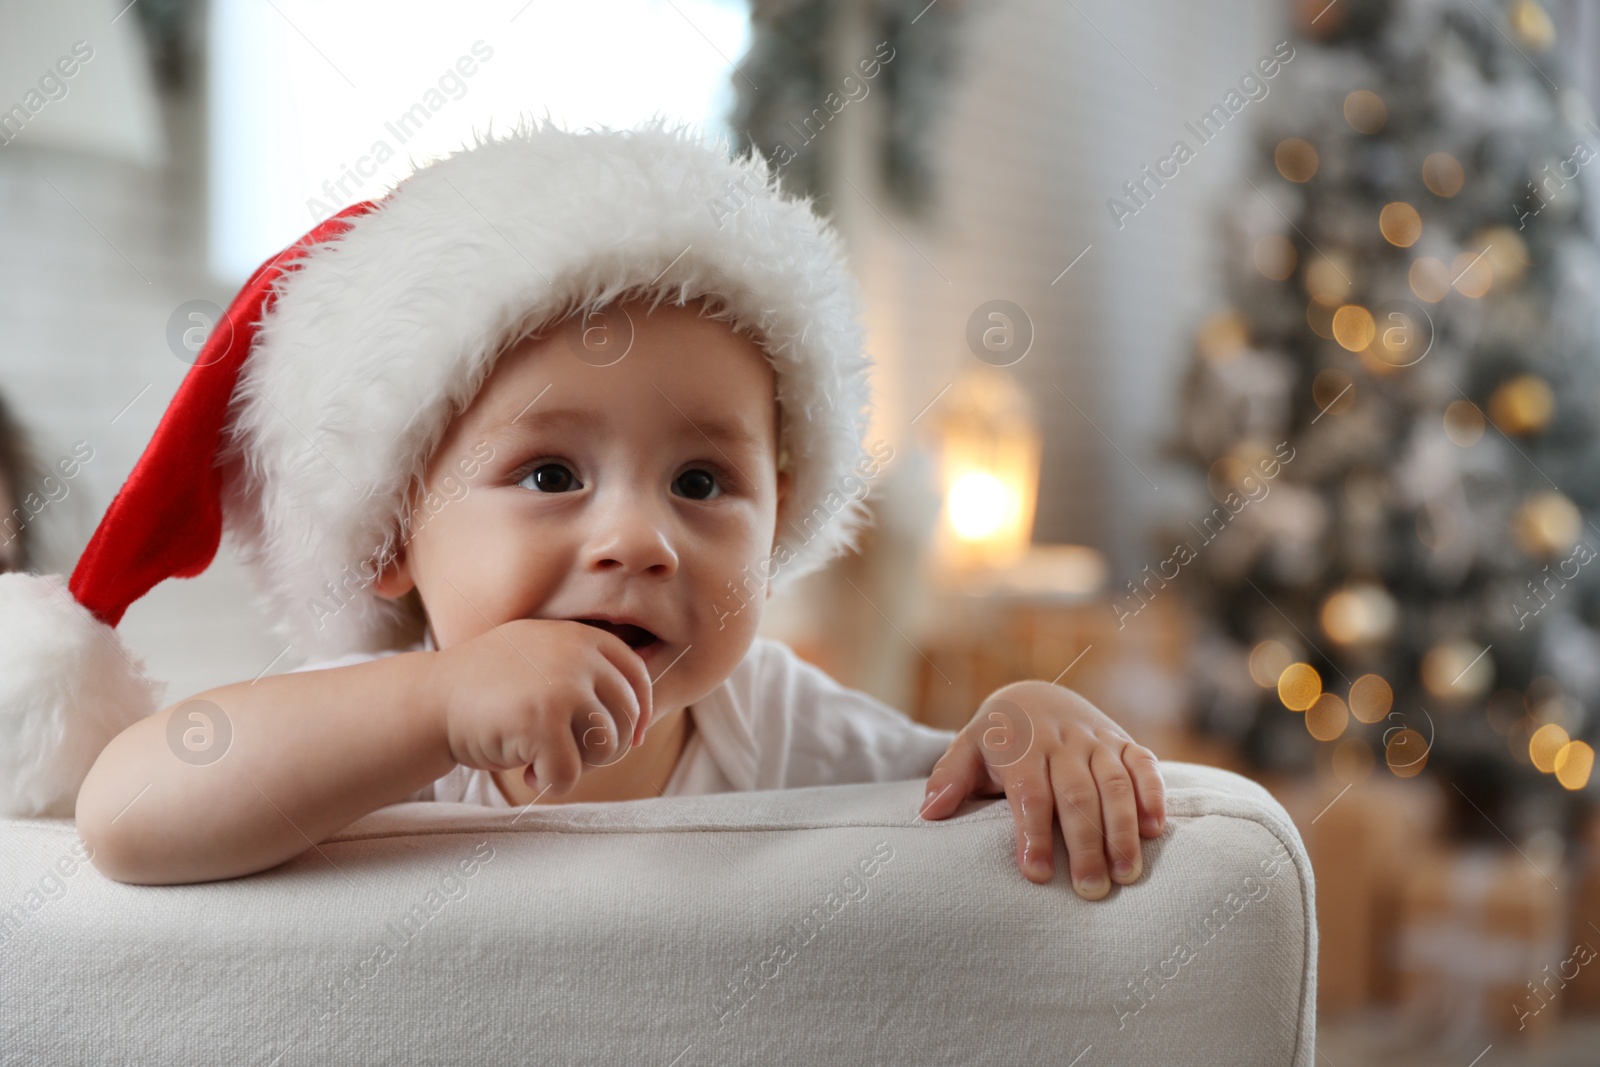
pixel 725 625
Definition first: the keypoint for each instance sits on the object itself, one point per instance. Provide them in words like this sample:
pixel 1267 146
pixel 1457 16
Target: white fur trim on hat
pixel 68 685
pixel 381 335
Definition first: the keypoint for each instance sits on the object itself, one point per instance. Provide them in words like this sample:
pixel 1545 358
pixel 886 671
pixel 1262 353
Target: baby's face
pixel 635 489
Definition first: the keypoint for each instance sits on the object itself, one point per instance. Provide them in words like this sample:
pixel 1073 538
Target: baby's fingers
pixel 1151 790
pixel 959 774
pixel 1118 813
pixel 637 677
pixel 1078 800
pixel 1033 812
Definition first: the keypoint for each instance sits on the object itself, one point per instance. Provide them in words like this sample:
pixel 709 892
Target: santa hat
pixel 320 395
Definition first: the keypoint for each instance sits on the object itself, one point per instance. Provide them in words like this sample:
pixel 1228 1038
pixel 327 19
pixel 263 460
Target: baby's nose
pixel 634 538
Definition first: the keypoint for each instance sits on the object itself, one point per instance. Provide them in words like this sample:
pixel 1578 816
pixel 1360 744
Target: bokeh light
pixel 1371 698
pixel 1268 660
pixel 1406 753
pixel 1400 224
pixel 1523 405
pixel 1463 423
pixel 1353 327
pixel 1223 337
pixel 1546 525
pixel 1573 764
pixel 1333 391
pixel 1364 110
pixel 1299 686
pixel 1457 670
pixel 1402 339
pixel 1296 159
pixel 1442 174
pixel 1543 747
pixel 1275 257
pixel 1328 278
pixel 1472 274
pixel 1532 25
pixel 1504 250
pixel 1430 279
pixel 1358 614
pixel 1327 718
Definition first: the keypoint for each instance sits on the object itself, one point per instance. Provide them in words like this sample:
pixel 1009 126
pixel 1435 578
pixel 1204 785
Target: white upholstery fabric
pixel 827 925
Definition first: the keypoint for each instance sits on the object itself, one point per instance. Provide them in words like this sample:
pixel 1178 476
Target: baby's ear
pixel 785 480
pixel 394 577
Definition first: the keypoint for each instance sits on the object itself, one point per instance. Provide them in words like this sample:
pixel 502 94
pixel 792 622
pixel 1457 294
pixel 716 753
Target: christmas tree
pixel 1395 412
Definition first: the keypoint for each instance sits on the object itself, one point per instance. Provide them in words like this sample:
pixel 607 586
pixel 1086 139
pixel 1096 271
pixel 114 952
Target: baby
pixel 614 475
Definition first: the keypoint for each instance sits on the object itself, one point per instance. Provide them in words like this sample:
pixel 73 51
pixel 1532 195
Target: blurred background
pixel 1239 362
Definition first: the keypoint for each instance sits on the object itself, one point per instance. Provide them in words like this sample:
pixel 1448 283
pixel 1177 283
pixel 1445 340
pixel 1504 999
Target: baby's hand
pixel 555 696
pixel 1047 748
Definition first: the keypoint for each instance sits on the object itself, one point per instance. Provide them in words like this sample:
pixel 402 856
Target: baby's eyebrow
pixel 734 434
pixel 728 432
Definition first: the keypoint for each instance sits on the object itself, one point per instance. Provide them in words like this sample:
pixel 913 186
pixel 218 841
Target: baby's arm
pixel 309 753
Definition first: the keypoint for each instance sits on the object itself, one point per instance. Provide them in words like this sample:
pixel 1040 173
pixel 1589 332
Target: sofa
pixel 828 925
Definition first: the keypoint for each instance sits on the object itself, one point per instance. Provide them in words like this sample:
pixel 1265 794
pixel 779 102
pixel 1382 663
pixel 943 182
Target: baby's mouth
pixel 637 637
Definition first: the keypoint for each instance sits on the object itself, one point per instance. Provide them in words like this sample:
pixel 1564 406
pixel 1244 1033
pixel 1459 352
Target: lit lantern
pixel 989 469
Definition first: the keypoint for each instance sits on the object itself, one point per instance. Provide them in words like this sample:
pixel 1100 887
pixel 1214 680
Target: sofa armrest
pixel 821 925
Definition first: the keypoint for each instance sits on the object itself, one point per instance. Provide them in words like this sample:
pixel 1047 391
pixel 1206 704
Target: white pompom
pixel 68 685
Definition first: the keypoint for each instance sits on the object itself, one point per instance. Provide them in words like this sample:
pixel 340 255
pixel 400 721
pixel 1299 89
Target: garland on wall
pixel 796 79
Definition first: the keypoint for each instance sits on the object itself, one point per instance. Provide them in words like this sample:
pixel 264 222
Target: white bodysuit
pixel 777 722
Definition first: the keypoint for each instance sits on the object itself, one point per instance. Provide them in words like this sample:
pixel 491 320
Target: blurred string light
pixel 1365 111
pixel 1547 741
pixel 1268 661
pixel 1457 670
pixel 1573 763
pixel 1546 525
pixel 1523 405
pixel 1299 686
pixel 1353 327
pixel 1296 159
pixel 1532 25
pixel 1371 698
pixel 301 92
pixel 1400 224
pixel 1361 613
pixel 1463 423
pixel 1443 174
pixel 1276 257
pixel 1333 391
pixel 1327 718
pixel 1429 278
pixel 1406 752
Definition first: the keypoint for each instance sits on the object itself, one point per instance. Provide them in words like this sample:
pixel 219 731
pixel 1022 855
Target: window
pixel 314 106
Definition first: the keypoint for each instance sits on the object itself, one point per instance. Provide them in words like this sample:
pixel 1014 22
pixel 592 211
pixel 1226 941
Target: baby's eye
pixel 698 484
pixel 551 478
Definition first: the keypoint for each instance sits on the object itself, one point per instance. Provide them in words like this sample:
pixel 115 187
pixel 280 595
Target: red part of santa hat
pixel 68 683
pixel 166 521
